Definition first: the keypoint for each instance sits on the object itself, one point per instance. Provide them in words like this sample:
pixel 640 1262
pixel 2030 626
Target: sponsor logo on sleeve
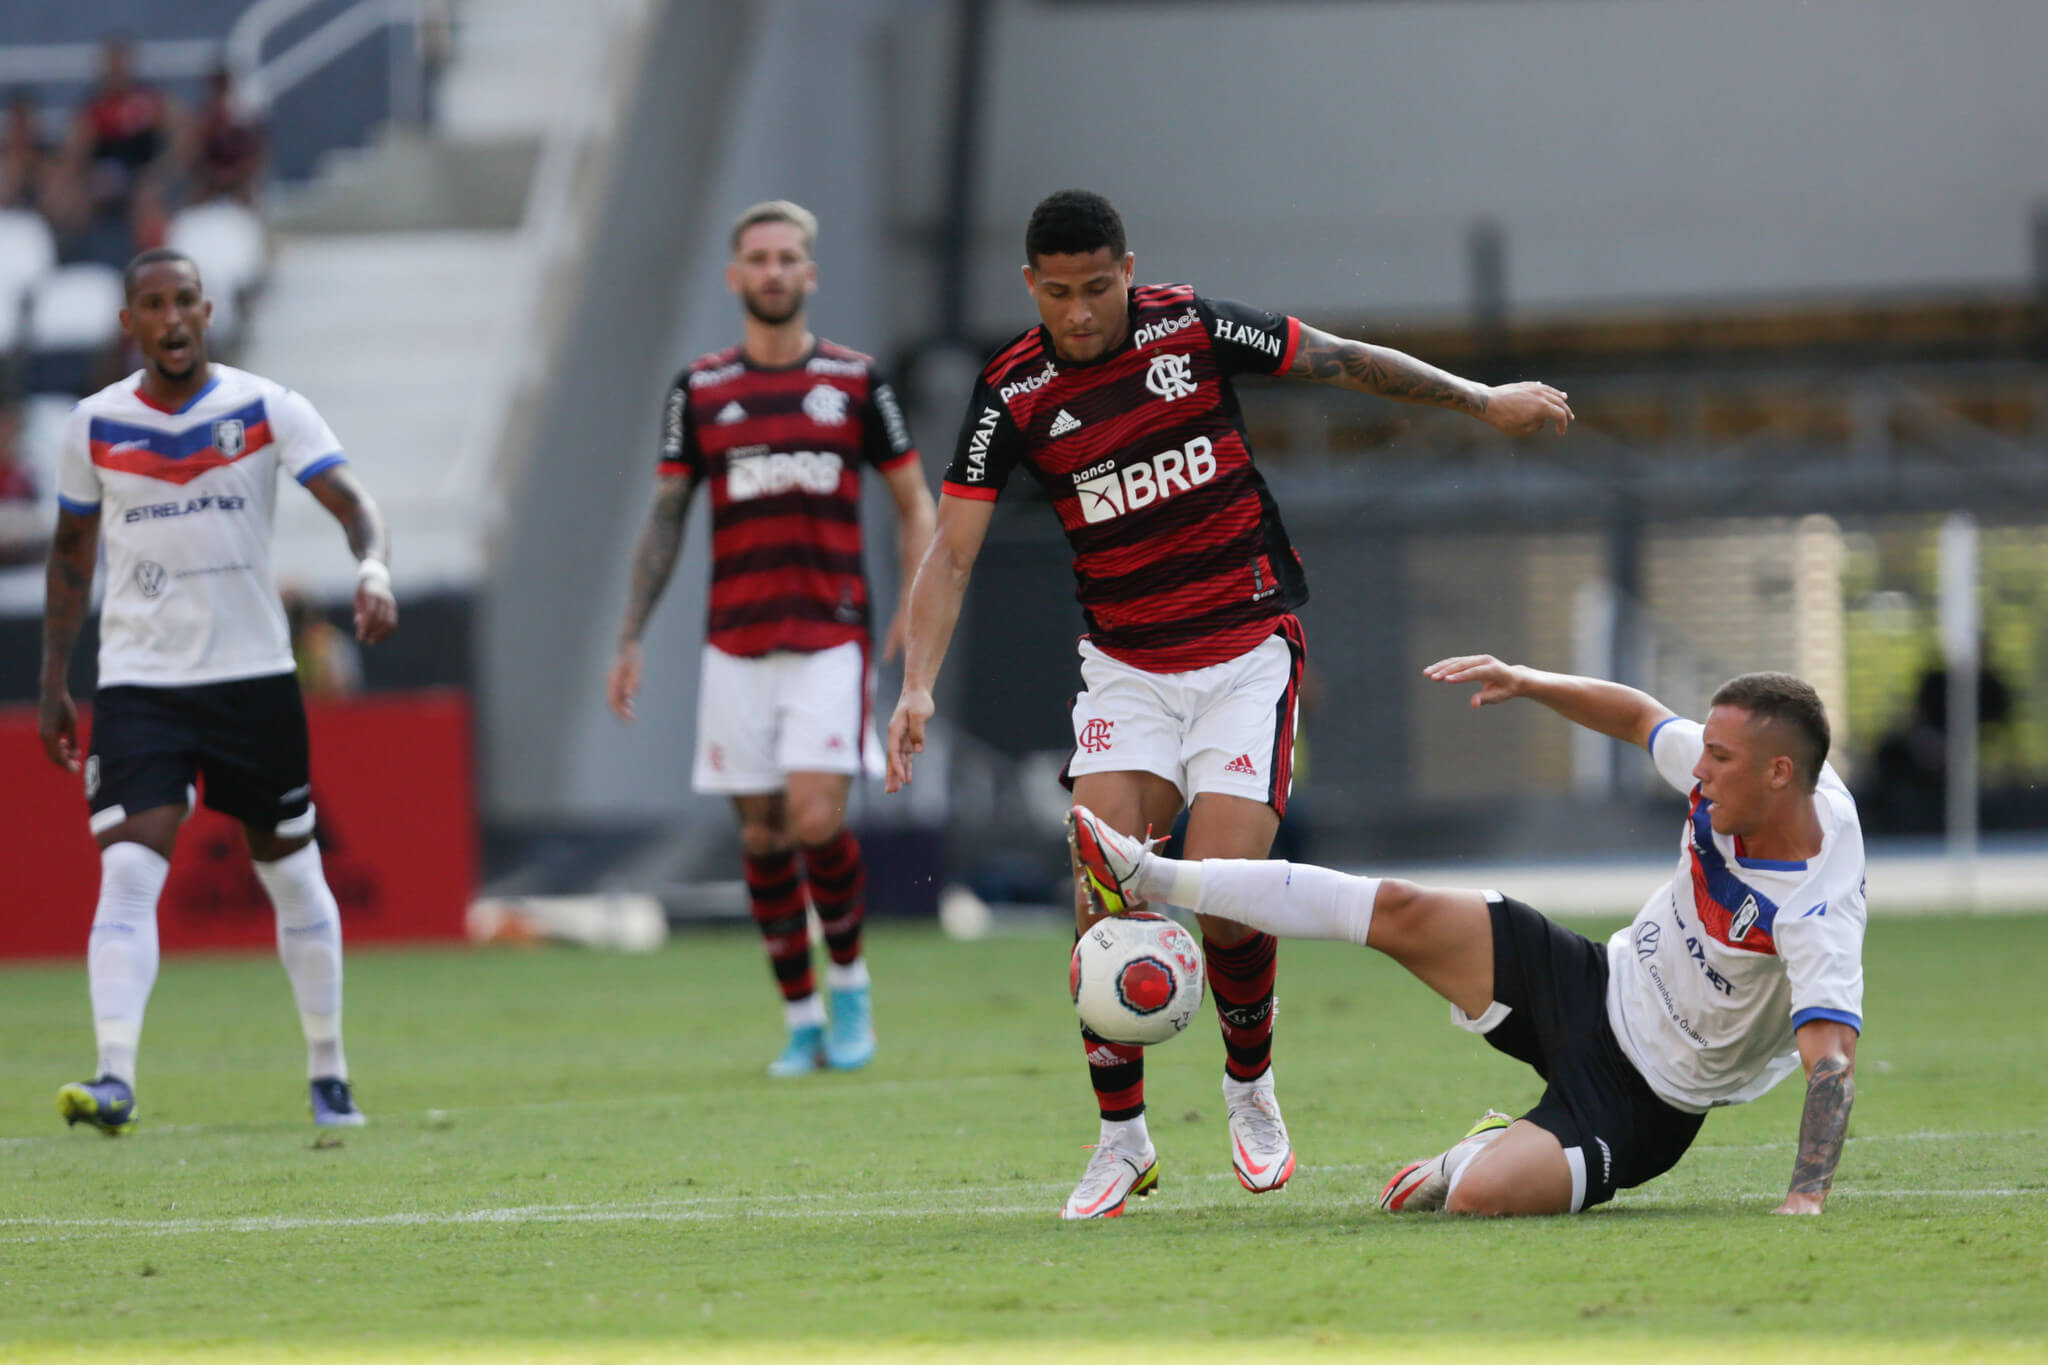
pixel 893 425
pixel 1171 375
pixel 977 444
pixel 672 423
pixel 1106 491
pixel 1256 338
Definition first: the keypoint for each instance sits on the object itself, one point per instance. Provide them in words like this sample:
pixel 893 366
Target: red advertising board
pixel 393 784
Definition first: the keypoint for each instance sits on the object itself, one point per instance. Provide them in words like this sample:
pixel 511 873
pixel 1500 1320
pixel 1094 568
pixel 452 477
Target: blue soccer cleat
pixel 333 1105
pixel 803 1054
pixel 851 1044
pixel 106 1104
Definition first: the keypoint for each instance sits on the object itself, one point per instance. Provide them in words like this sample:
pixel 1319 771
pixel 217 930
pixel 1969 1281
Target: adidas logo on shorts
pixel 1064 423
pixel 1242 765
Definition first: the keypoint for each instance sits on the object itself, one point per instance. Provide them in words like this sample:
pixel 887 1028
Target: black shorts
pixel 1553 983
pixel 245 740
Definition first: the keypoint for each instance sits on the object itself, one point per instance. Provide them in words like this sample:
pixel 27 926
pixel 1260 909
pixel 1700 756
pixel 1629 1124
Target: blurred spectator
pixel 120 151
pixel 1909 793
pixel 230 151
pixel 23 537
pixel 329 663
pixel 25 154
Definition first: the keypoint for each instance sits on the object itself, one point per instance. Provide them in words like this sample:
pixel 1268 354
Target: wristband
pixel 372 574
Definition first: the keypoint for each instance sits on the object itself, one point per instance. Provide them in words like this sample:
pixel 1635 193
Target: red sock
pixel 838 878
pixel 1241 979
pixel 777 894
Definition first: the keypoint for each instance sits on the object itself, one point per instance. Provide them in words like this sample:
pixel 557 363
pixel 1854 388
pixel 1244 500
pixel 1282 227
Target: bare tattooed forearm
pixel 654 556
pixel 1388 373
pixel 349 503
pixel 1825 1123
pixel 67 593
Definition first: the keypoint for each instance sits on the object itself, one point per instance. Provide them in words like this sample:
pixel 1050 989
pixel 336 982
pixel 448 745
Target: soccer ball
pixel 1136 978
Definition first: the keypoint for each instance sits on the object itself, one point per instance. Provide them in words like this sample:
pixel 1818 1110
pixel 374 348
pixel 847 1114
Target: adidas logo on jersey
pixel 1065 423
pixel 730 413
pixel 1242 765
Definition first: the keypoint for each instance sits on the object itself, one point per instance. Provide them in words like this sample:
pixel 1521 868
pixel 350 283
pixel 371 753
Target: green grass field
pixel 576 1156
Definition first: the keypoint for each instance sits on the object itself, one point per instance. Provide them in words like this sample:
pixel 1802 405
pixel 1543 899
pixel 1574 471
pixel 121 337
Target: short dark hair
pixel 1073 223
pixel 156 255
pixel 1780 698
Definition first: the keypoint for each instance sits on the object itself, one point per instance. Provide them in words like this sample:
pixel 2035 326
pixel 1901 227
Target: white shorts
pixel 1228 728
pixel 759 720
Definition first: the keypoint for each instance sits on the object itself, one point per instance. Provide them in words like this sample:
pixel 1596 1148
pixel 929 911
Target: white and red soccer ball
pixel 1136 978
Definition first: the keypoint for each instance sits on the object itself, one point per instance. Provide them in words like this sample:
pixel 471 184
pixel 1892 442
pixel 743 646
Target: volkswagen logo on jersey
pixel 228 436
pixel 825 405
pixel 150 575
pixel 1169 377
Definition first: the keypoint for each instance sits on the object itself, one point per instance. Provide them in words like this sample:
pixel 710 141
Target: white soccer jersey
pixel 185 501
pixel 1731 955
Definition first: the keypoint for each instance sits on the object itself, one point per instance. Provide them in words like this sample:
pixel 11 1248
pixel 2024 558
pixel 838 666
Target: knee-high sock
pixel 121 958
pixel 1117 1071
pixel 1293 900
pixel 309 945
pixel 838 880
pixel 776 892
pixel 1241 982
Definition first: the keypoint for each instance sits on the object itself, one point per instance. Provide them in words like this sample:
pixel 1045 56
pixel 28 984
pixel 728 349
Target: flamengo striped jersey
pixel 1180 560
pixel 185 500
pixel 783 450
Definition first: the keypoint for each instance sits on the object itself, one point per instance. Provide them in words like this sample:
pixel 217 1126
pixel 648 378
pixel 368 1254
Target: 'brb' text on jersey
pixel 185 500
pixel 1707 987
pixel 1180 560
pixel 782 450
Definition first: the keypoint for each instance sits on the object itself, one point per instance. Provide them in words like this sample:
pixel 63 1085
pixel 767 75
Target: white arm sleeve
pixel 305 444
pixel 78 479
pixel 1675 747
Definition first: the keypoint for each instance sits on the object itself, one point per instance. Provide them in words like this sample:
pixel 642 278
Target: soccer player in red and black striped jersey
pixel 780 428
pixel 1120 404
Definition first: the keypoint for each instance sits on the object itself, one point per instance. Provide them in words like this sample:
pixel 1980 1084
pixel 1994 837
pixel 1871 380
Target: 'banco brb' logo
pixel 1106 491
pixel 1170 376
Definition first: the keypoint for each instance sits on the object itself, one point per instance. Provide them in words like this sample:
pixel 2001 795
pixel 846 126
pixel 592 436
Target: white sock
pixel 1126 1135
pixel 121 956
pixel 1293 900
pixel 1459 1159
pixel 808 1012
pixel 309 945
pixel 852 977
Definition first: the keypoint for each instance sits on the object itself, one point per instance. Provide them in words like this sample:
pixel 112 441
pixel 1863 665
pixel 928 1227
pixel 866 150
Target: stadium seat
pixel 73 315
pixel 227 242
pixel 27 250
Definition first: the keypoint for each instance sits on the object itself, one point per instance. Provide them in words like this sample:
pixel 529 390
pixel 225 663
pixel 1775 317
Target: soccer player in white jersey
pixel 1747 964
pixel 175 468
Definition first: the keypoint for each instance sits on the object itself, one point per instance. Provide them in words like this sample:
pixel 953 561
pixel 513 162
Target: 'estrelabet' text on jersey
pixel 1731 955
pixel 1180 559
pixel 783 450
pixel 185 501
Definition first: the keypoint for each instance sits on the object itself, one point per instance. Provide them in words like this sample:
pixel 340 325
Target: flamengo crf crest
pixel 228 436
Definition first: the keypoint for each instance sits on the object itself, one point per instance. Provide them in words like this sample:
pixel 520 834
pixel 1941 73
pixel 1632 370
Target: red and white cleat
pixel 1108 858
pixel 1113 1178
pixel 1423 1186
pixel 1260 1151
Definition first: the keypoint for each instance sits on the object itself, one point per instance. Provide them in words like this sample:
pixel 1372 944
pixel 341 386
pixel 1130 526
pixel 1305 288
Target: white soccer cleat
pixel 1108 858
pixel 1114 1177
pixel 1424 1186
pixel 1260 1151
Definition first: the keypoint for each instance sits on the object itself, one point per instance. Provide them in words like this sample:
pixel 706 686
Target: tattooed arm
pixel 67 595
pixel 654 559
pixel 349 503
pixel 1828 1049
pixel 1518 409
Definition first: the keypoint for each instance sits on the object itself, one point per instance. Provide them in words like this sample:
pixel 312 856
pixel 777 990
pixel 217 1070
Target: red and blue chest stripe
pixel 179 456
pixel 1734 913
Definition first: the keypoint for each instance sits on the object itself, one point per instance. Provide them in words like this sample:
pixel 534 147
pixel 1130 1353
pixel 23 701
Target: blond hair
pixel 778 211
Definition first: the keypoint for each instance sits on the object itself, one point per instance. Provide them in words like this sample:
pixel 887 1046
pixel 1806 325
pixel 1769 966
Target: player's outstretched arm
pixel 935 598
pixel 1518 409
pixel 1620 712
pixel 654 559
pixel 916 518
pixel 369 541
pixel 1828 1049
pixel 67 595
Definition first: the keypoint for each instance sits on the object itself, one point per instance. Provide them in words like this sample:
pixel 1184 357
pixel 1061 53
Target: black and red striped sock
pixel 838 878
pixel 1117 1071
pixel 777 895
pixel 1241 979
